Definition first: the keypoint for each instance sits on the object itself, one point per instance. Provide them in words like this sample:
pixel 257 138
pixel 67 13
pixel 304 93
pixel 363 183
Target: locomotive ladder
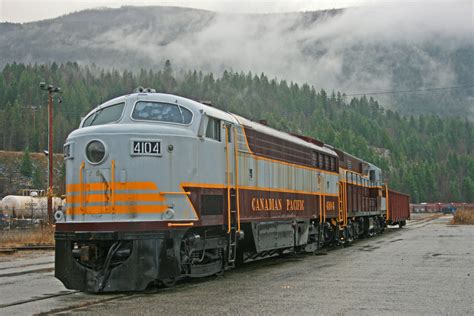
pixel 233 214
pixel 232 229
pixel 341 202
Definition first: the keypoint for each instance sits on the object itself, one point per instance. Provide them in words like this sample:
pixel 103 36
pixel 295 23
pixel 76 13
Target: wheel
pixel 168 283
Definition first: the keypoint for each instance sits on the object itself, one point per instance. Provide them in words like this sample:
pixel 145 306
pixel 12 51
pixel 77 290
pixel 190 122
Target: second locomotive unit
pixel 160 187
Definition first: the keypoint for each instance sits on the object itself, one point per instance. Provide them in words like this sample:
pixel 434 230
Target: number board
pixel 142 147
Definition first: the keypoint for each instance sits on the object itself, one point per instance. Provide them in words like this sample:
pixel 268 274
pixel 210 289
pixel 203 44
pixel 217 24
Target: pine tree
pixel 26 167
pixel 38 178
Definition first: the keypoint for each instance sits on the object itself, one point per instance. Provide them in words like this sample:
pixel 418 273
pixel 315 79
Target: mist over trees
pixel 378 48
pixel 428 156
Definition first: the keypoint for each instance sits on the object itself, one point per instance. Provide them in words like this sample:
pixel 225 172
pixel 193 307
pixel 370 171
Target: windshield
pixel 163 112
pixel 106 115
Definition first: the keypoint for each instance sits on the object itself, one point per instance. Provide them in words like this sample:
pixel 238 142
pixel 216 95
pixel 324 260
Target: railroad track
pixel 80 301
pixel 20 248
pixel 35 299
pixel 88 303
pixel 63 301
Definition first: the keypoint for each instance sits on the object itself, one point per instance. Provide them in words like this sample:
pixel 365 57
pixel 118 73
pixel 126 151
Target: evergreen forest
pixel 427 156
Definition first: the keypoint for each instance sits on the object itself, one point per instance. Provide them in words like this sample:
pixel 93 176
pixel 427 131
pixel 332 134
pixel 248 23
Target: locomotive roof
pixel 274 132
pixel 234 118
pixel 219 114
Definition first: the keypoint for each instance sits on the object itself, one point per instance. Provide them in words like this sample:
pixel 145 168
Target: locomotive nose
pixel 117 175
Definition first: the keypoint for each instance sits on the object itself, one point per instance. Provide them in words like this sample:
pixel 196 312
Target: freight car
pixel 160 188
pixel 398 209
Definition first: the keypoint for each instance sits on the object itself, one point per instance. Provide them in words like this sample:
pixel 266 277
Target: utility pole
pixel 51 92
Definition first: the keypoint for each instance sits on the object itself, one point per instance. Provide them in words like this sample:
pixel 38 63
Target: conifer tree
pixel 26 167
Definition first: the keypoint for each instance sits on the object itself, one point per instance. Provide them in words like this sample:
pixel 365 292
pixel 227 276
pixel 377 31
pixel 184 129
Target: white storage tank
pixel 31 207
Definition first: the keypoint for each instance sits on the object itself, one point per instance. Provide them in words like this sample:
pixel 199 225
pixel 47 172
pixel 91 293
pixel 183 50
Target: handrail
pixel 81 186
pixel 112 184
pixel 324 208
pixel 346 195
pixel 320 199
pixel 345 203
pixel 386 203
pixel 236 177
pixel 323 191
pixel 227 175
pixel 170 193
pixel 320 209
pixel 340 214
pixel 180 224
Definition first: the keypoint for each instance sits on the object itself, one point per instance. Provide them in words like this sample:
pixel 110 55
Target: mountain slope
pixel 374 49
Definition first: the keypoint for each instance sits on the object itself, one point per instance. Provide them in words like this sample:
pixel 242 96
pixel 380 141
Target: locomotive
pixel 160 188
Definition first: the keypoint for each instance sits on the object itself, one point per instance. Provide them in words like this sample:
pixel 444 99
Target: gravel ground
pixel 425 268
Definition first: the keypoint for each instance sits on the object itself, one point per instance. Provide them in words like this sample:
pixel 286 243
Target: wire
pixel 412 90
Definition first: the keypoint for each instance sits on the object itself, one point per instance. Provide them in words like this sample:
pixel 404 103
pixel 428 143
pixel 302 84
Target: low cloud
pixel 352 50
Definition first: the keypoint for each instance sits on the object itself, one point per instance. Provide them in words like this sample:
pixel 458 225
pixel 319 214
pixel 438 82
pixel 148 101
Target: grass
pixel 27 237
pixel 464 216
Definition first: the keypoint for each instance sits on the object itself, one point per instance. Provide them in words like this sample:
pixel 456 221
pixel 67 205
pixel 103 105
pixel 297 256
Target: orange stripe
pixel 360 185
pixel 285 191
pixel 203 185
pixel 153 197
pixel 180 224
pixel 100 186
pixel 221 186
pixel 119 209
pixel 175 193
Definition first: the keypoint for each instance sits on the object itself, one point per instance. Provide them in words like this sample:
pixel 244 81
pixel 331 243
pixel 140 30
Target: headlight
pixel 95 151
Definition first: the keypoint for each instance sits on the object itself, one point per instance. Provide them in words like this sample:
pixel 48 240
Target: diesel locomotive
pixel 160 188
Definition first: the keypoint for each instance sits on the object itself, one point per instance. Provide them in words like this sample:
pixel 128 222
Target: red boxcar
pixel 398 210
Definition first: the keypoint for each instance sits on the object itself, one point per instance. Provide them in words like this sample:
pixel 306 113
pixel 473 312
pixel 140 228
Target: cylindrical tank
pixel 17 206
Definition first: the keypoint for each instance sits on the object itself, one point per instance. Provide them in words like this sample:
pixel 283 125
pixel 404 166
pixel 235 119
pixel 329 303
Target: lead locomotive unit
pixel 160 187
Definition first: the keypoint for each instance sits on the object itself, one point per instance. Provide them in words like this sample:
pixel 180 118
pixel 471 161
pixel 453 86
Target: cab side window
pixel 105 115
pixel 213 130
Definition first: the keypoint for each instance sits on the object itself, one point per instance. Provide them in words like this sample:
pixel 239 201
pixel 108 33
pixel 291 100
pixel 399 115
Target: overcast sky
pixel 34 10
